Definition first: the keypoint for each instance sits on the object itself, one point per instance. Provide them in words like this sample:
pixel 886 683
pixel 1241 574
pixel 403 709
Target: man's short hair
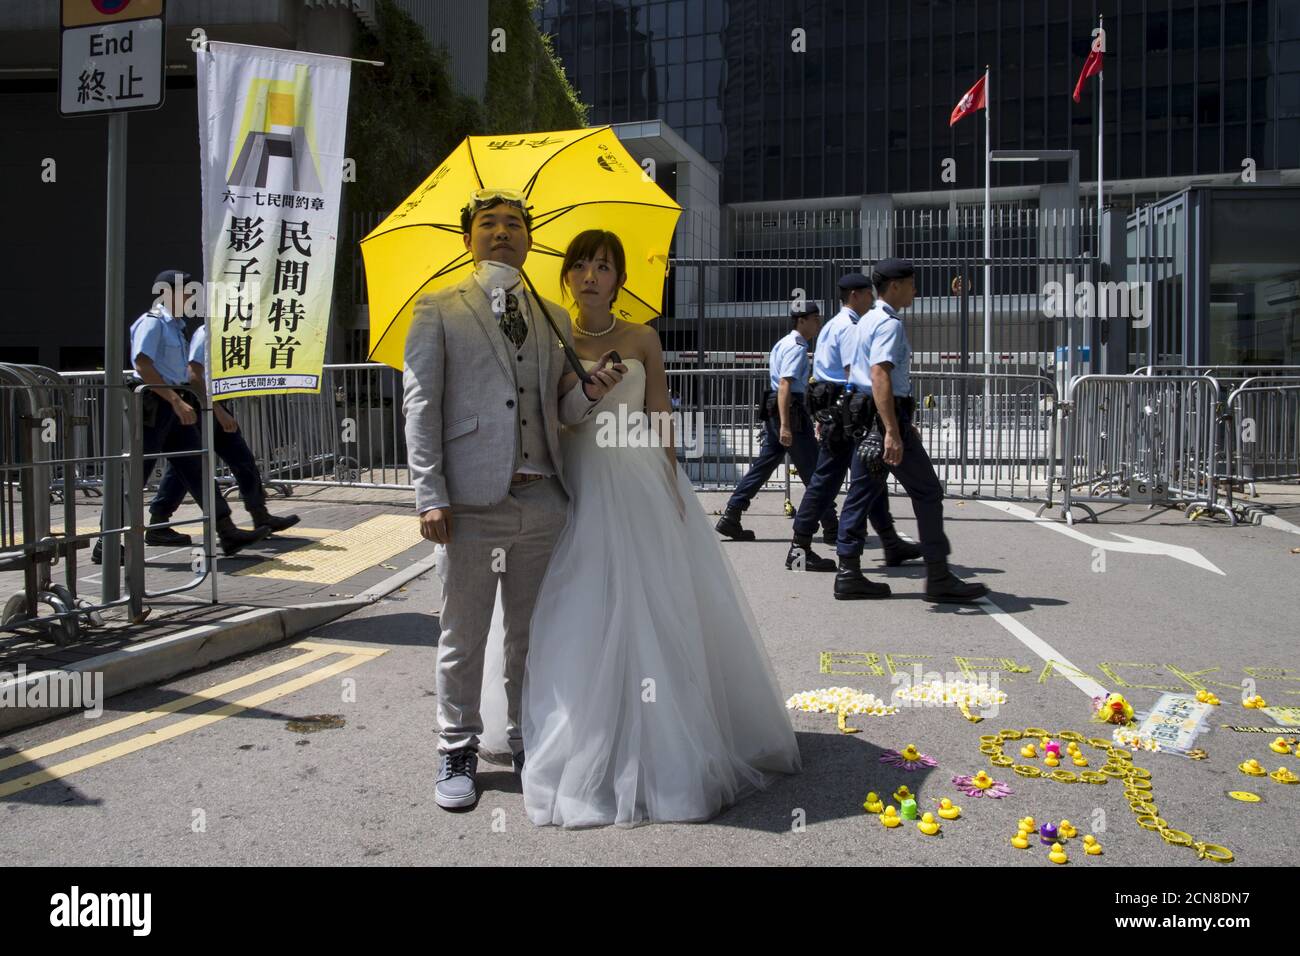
pixel 472 208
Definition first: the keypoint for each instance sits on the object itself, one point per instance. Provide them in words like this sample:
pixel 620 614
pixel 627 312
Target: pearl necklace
pixel 612 323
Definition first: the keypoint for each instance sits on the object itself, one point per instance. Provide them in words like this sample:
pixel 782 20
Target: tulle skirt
pixel 648 694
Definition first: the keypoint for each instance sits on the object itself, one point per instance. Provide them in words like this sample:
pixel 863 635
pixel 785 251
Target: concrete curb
pixel 23 697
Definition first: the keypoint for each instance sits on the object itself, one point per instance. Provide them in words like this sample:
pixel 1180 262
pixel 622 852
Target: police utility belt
pixel 865 430
pixel 768 409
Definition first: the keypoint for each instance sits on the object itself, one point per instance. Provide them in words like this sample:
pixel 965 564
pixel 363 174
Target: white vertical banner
pixel 272 127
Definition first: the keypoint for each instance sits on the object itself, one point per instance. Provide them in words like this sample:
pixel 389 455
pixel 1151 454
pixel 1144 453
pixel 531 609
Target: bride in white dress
pixel 648 695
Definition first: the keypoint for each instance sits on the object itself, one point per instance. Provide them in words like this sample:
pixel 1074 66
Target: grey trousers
pixel 512 540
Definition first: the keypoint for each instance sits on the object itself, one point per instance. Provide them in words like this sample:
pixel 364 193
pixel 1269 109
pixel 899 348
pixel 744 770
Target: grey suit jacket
pixel 458 398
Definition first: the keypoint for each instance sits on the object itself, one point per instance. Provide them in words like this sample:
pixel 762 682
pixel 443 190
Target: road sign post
pixel 111 62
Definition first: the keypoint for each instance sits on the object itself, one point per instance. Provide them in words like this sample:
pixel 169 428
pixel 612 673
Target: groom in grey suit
pixel 485 391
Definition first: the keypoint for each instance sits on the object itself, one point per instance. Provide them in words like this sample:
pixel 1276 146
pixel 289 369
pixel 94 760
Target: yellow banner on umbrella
pixel 271 134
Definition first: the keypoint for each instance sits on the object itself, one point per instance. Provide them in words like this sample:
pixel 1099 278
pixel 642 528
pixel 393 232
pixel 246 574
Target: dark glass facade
pixel 1192 87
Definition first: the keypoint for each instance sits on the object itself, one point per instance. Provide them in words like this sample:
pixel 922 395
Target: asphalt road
pixel 1140 616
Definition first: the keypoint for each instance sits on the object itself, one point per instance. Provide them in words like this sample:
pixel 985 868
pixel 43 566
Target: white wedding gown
pixel 648 694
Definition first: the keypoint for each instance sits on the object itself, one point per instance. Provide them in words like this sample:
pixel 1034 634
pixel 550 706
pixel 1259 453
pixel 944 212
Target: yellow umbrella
pixel 574 179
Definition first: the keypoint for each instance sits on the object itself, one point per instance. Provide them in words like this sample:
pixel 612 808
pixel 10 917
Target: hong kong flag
pixel 1091 67
pixel 972 101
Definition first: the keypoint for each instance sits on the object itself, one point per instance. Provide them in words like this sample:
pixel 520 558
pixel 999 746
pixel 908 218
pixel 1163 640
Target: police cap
pixel 887 269
pixel 808 308
pixel 854 280
pixel 170 277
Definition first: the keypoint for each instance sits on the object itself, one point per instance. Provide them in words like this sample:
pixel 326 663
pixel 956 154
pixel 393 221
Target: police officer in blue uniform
pixel 228 444
pixel 880 367
pixel 787 428
pixel 159 353
pixel 825 404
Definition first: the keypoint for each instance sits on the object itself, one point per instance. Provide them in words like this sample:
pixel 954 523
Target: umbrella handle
pixel 574 361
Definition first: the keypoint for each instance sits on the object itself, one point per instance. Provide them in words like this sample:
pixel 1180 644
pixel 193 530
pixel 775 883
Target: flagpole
pixel 1101 126
pixel 988 230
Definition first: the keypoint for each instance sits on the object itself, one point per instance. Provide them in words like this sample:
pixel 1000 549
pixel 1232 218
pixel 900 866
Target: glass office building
pixel 1192 87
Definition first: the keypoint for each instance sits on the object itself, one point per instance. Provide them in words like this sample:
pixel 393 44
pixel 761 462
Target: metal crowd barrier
pixel 1262 433
pixel 1140 439
pixel 44 433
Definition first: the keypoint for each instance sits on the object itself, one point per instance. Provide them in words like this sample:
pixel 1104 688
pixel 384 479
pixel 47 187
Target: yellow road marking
pixel 344 553
pixel 153 738
pixel 196 531
pixel 314 652
pixel 342 648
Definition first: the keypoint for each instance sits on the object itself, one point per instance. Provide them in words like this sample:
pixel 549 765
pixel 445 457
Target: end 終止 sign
pixel 111 56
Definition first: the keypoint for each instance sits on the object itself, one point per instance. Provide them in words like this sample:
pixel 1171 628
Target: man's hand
pixel 435 525
pixel 183 412
pixel 225 419
pixel 893 448
pixel 787 436
pixel 603 379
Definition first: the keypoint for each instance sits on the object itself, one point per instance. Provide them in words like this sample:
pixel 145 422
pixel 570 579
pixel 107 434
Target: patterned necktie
pixel 512 322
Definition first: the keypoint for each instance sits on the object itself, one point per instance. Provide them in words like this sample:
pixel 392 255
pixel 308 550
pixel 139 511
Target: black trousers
pixel 916 474
pixel 803 452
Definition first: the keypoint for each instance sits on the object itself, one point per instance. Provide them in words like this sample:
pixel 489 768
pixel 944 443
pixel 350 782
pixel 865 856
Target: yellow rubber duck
pixel 1280 746
pixel 947 810
pixel 1028 751
pixel 902 793
pixel 1067 830
pixel 1091 846
pixel 1020 841
pixel 873 804
pixel 1051 760
pixel 1205 697
pixel 890 817
pixel 1058 855
pixel 982 780
pixel 1028 825
pixel 1252 768
pixel 1080 760
pixel 1253 703
pixel 1071 748
pixel 927 825
pixel 1283 775
pixel 910 753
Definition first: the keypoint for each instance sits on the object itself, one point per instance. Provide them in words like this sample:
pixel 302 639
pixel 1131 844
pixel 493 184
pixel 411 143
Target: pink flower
pixel 896 759
pixel 995 791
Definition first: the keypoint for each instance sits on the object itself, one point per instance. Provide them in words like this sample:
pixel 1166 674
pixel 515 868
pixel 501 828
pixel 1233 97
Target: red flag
pixel 1091 67
pixel 972 101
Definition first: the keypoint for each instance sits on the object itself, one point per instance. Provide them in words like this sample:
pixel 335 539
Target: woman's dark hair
pixel 586 245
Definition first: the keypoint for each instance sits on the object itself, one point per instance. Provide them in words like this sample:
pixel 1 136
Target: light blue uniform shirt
pixel 833 347
pixel 880 337
pixel 161 336
pixel 199 350
pixel 789 359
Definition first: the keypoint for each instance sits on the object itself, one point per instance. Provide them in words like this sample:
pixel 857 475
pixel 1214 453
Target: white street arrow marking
pixel 1129 545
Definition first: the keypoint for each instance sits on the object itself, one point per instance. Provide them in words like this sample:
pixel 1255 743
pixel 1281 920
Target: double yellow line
pixel 313 651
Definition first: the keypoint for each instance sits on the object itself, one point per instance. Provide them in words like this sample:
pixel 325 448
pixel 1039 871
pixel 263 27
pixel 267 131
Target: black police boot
pixel 852 585
pixel 831 533
pixel 165 537
pixel 264 518
pixel 97 553
pixel 801 556
pixel 729 526
pixel 944 587
pixel 233 539
pixel 896 549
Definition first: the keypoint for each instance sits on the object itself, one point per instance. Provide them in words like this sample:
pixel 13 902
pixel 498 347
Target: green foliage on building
pixel 405 117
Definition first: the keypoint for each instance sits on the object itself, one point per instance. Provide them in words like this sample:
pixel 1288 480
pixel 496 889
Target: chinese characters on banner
pixel 271 135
